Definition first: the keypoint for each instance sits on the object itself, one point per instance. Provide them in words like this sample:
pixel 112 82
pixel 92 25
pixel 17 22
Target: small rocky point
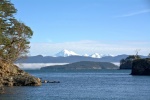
pixel 11 75
pixel 127 62
pixel 141 67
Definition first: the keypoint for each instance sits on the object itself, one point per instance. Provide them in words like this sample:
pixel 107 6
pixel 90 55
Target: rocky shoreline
pixel 127 62
pixel 138 66
pixel 11 75
pixel 141 67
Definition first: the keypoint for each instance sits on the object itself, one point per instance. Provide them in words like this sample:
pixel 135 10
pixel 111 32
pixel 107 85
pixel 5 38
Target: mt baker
pixel 66 53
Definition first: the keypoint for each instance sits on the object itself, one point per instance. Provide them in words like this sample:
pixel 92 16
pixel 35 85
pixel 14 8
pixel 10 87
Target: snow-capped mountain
pixel 96 55
pixel 86 55
pixel 108 55
pixel 66 53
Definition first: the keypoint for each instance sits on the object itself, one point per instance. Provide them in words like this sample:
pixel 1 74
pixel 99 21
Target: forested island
pixel 82 65
pixel 138 65
pixel 127 62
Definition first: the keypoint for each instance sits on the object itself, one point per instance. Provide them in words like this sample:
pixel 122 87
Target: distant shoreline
pixel 36 66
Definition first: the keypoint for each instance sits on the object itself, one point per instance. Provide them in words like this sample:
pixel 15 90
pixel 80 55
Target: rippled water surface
pixel 84 85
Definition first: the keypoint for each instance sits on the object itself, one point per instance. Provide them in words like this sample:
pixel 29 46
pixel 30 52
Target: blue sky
pixel 87 26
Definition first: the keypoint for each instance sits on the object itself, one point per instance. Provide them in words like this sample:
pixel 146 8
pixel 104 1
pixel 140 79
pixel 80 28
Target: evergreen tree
pixel 14 35
pixel 122 61
pixel 149 55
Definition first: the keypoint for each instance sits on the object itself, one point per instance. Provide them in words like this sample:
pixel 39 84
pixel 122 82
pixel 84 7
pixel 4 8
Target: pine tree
pixel 14 35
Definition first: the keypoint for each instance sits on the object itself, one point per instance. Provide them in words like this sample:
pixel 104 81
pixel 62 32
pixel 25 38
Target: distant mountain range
pixel 66 56
pixel 69 59
pixel 66 53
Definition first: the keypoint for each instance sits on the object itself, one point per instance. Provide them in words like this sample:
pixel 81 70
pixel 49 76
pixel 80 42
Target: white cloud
pixel 89 47
pixel 134 13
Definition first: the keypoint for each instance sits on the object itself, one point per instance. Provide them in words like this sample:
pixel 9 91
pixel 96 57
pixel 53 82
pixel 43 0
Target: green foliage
pixel 127 63
pixel 132 57
pixel 14 35
pixel 122 61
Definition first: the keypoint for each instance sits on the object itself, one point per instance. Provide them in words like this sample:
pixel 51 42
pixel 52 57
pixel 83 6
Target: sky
pixel 86 26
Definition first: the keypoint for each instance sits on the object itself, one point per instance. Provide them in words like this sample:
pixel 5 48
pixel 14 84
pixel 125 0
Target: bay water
pixel 83 85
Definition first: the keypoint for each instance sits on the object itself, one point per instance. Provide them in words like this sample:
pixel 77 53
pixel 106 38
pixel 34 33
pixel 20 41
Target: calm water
pixel 84 85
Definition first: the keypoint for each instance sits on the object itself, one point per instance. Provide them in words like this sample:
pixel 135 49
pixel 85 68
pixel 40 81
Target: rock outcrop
pixel 141 67
pixel 11 75
pixel 45 81
pixel 127 63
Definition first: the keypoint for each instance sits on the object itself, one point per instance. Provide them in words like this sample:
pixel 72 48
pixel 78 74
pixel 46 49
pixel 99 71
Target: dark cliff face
pixel 141 67
pixel 126 65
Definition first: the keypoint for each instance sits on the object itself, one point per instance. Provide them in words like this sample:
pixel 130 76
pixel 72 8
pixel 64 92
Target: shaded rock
pixel 53 82
pixel 1 86
pixel 127 62
pixel 45 81
pixel 126 65
pixel 26 80
pixel 141 67
pixel 11 75
pixel 10 84
pixel 2 90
